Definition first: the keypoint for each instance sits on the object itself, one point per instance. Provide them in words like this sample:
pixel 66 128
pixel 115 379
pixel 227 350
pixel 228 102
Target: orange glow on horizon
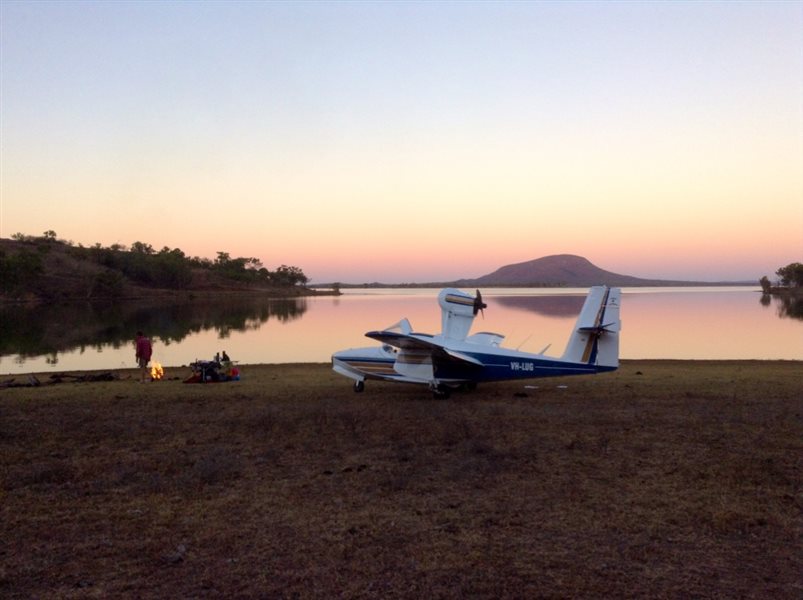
pixel 360 161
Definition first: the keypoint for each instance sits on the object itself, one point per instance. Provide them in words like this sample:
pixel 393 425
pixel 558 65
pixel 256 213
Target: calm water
pixel 679 323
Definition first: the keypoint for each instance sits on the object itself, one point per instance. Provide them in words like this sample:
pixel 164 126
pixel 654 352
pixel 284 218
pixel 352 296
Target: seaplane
pixel 453 359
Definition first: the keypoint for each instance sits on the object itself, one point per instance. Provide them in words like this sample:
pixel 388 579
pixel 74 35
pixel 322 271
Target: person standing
pixel 144 349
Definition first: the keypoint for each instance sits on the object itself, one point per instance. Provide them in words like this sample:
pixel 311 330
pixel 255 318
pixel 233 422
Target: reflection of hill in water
pixel 548 306
pixel 44 330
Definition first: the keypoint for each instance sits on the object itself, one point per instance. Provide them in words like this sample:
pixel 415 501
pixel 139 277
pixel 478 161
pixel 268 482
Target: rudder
pixel 595 339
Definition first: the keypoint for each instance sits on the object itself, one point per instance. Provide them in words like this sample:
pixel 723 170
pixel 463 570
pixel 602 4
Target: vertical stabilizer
pixel 595 339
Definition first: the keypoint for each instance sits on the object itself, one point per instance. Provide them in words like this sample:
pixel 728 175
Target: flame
pixel 157 372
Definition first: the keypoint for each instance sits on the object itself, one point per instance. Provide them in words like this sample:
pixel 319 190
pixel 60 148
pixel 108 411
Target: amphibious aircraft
pixel 454 359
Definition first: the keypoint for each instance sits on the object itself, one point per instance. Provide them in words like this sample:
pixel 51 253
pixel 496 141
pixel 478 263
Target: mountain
pixel 560 270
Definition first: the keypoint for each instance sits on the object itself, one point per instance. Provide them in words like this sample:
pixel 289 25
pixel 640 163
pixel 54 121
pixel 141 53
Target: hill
pixel 47 269
pixel 561 270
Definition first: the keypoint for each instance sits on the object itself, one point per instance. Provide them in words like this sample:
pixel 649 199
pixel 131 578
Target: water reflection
pixel 50 330
pixel 675 323
pixel 787 306
pixel 548 306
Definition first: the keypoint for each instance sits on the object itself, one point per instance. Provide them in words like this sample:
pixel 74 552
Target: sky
pixel 411 141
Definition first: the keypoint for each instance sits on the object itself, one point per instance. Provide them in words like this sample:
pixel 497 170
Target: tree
pixel 171 270
pixel 19 271
pixel 175 252
pixel 285 275
pixel 791 275
pixel 142 248
pixel 766 285
pixel 203 263
pixel 107 284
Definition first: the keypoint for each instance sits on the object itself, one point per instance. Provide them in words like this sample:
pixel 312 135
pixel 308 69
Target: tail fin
pixel 595 339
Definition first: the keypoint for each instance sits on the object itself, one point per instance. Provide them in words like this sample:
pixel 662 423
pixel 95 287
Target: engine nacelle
pixel 458 310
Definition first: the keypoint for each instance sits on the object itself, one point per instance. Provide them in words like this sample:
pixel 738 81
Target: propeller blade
pixel 479 305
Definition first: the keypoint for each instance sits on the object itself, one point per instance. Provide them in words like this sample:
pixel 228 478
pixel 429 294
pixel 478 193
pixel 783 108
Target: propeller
pixel 597 330
pixel 479 305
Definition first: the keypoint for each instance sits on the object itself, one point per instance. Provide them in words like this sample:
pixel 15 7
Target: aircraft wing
pixel 402 340
pixel 419 343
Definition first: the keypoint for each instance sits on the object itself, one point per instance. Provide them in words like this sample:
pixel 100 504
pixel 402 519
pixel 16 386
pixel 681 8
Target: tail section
pixel 595 339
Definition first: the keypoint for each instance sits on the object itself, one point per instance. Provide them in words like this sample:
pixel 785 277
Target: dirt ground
pixel 665 479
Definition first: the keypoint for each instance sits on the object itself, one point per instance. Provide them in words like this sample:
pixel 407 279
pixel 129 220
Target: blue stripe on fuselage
pixel 497 367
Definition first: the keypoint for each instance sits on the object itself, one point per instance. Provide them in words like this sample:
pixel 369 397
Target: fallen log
pixel 33 381
pixel 84 377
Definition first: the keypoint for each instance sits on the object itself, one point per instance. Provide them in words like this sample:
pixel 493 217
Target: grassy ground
pixel 665 479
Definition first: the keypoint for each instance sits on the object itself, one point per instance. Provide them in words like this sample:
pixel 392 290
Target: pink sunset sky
pixel 411 141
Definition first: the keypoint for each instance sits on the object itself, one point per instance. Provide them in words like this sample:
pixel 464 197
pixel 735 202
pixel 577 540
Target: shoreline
pixel 162 294
pixel 172 371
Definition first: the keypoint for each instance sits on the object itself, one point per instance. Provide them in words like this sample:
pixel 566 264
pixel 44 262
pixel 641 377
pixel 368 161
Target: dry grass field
pixel 663 480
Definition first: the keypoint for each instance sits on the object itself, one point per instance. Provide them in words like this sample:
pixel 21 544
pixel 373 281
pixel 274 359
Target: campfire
pixel 157 372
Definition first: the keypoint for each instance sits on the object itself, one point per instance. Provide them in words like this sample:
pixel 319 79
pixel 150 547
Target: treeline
pixel 141 263
pixel 20 270
pixel 790 276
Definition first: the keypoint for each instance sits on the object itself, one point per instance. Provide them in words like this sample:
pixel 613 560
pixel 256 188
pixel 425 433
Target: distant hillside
pixel 560 270
pixel 46 269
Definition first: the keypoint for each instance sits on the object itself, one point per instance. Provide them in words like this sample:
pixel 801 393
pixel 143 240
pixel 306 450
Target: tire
pixel 441 392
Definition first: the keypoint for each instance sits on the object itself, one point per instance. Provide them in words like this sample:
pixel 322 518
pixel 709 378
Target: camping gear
pixel 212 371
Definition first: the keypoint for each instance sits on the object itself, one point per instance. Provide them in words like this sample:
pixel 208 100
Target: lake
pixel 664 323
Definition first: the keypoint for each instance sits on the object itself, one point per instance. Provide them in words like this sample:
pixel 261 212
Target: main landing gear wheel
pixel 441 392
pixel 359 386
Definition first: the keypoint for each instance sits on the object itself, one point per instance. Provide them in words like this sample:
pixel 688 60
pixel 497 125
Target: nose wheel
pixel 359 386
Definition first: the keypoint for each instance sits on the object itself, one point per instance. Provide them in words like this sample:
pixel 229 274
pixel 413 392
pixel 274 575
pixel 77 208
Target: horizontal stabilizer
pixel 606 328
